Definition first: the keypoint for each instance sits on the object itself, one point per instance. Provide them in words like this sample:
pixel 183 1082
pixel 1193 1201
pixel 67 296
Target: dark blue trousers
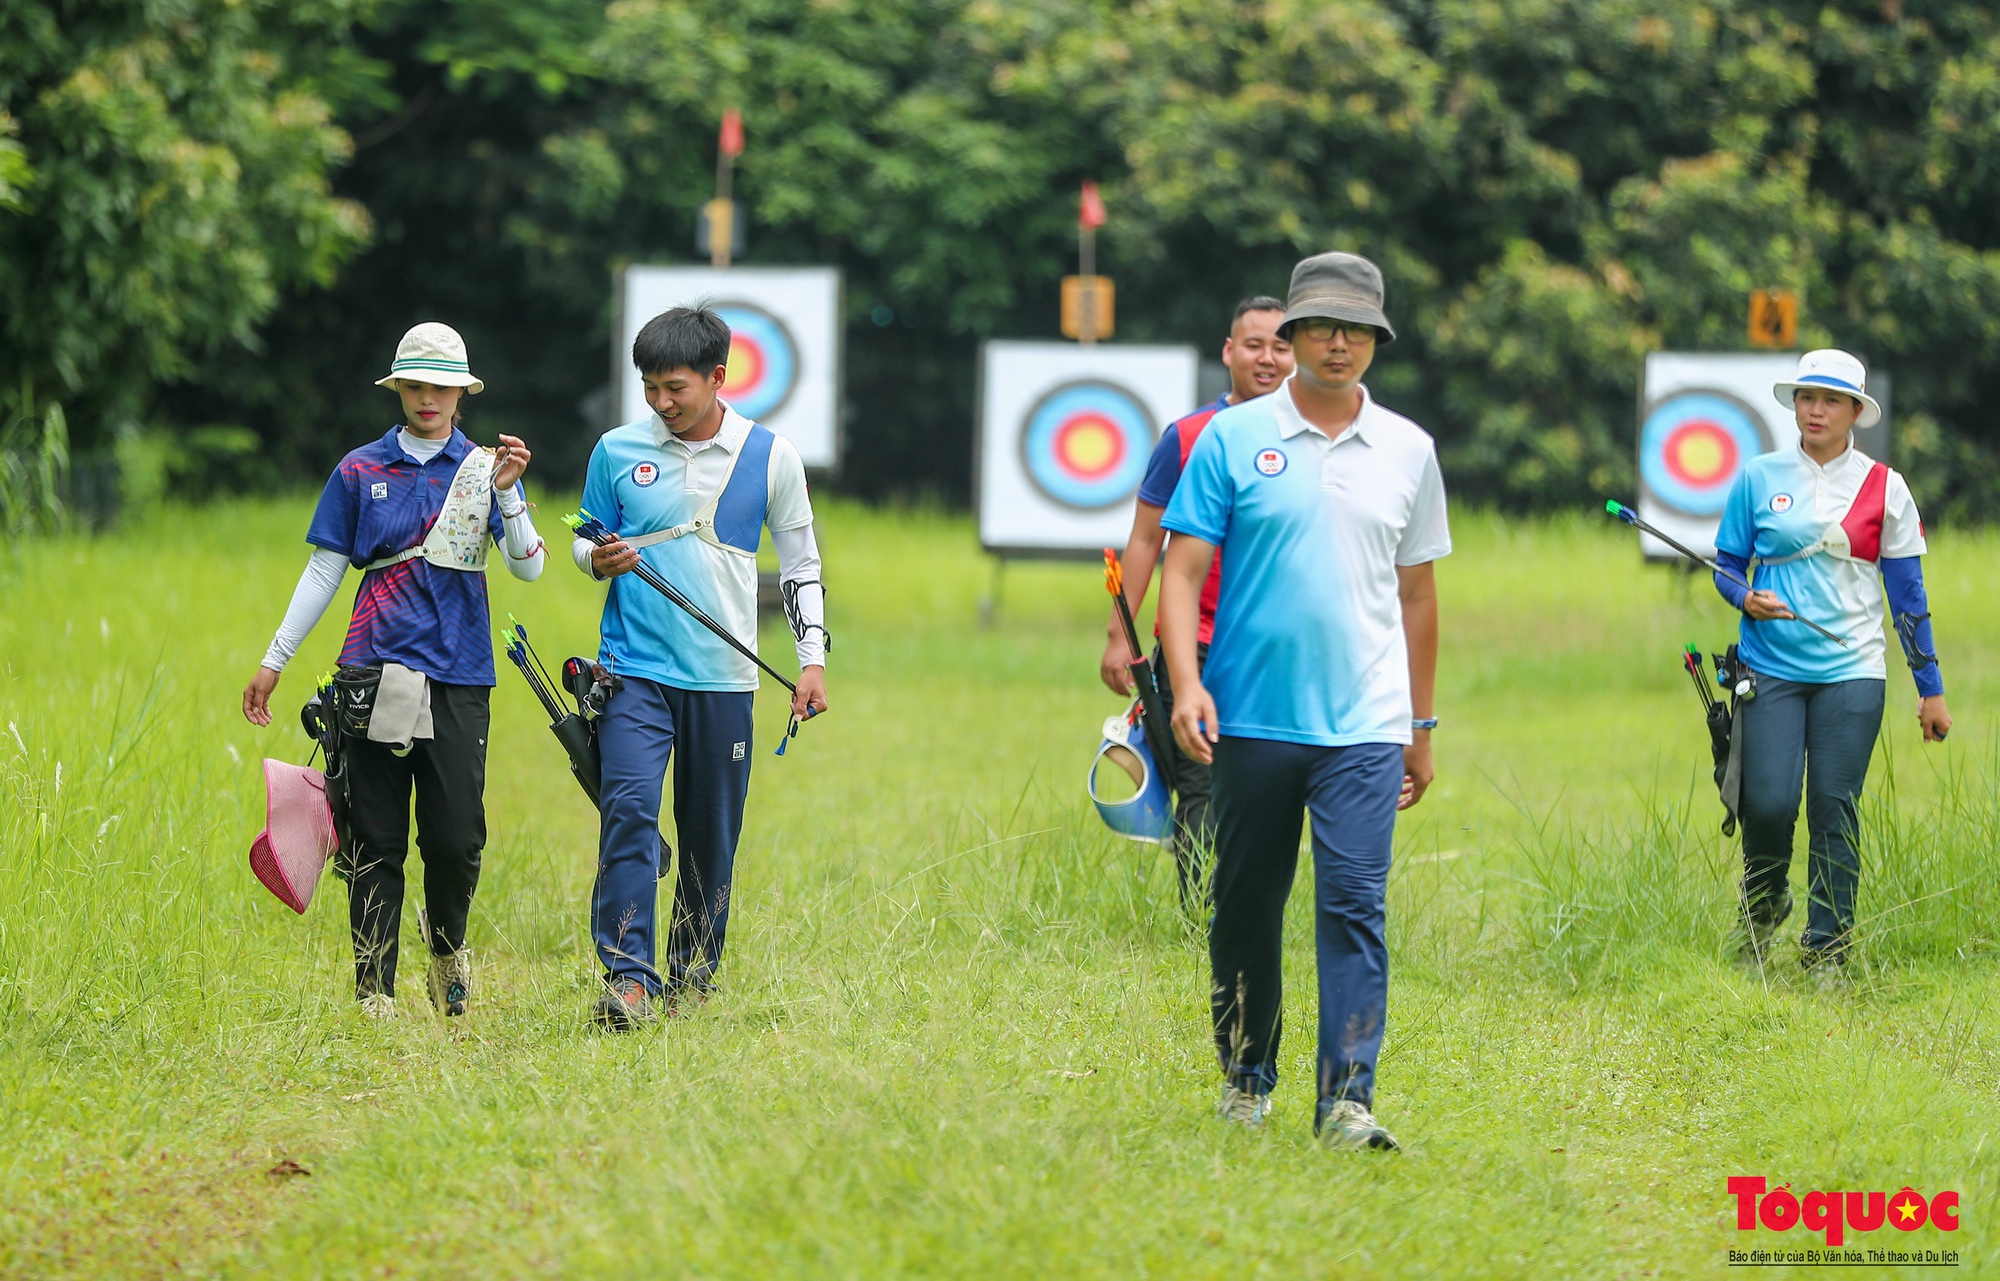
pixel 1262 791
pixel 1818 737
pixel 706 736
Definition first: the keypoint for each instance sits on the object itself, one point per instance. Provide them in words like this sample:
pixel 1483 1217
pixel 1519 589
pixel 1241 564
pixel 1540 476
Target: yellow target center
pixel 1090 447
pixel 1700 454
pixel 745 367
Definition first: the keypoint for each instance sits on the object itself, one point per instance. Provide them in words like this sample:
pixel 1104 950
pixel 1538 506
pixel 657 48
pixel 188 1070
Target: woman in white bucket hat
pixel 414 511
pixel 1828 528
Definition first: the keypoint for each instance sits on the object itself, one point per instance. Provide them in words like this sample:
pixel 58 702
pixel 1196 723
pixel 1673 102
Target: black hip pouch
pixel 354 698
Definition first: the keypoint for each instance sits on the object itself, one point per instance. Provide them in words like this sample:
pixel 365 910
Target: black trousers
pixel 1194 826
pixel 448 774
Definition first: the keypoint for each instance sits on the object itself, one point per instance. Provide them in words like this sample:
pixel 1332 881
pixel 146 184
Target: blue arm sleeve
pixel 1909 609
pixel 1733 591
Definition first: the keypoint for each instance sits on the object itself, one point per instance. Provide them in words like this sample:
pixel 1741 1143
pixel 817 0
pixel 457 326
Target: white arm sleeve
pixel 525 554
pixel 798 562
pixel 314 593
pixel 579 551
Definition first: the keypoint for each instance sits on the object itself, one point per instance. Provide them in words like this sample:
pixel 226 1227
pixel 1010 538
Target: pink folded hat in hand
pixel 291 852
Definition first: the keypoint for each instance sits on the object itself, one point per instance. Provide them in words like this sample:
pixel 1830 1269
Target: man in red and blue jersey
pixel 1258 361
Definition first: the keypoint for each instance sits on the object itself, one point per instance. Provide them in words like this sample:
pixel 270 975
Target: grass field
pixel 962 1031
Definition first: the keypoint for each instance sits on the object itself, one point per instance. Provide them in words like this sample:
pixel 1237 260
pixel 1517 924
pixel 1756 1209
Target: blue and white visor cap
pixel 1830 369
pixel 435 354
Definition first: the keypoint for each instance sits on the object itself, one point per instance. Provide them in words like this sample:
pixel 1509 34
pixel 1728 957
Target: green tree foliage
pixel 163 176
pixel 1554 188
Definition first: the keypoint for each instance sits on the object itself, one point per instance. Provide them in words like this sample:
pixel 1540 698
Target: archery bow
pixel 1630 517
pixel 1152 712
pixel 589 527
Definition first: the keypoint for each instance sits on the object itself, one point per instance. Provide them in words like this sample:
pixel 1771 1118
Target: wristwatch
pixel 1428 722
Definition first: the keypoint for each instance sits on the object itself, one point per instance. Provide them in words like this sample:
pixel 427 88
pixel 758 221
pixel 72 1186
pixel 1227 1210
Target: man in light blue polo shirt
pixel 691 489
pixel 1317 694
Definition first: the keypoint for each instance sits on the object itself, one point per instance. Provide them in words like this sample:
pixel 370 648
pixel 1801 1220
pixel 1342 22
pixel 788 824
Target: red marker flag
pixel 1090 213
pixel 732 133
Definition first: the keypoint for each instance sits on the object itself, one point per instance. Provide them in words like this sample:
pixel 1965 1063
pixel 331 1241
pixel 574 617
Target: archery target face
pixel 784 345
pixel 1065 434
pixel 763 360
pixel 1693 446
pixel 1086 444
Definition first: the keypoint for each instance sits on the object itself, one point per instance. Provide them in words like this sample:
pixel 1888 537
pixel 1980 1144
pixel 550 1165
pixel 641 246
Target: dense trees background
pixel 217 215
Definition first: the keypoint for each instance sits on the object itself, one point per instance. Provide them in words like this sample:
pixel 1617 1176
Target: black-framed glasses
pixel 1321 329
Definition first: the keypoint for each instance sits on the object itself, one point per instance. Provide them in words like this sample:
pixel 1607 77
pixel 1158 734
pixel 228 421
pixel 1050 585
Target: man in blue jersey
pixel 690 489
pixel 1258 362
pixel 1317 694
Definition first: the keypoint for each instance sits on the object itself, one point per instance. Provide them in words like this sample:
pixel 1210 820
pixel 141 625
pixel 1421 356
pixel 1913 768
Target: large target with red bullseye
pixel 1693 445
pixel 763 360
pixel 1085 444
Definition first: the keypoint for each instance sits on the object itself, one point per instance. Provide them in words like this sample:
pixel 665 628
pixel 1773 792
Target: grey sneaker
pixel 1826 968
pixel 1345 1125
pixel 1241 1107
pixel 377 1006
pixel 451 982
pixel 624 1006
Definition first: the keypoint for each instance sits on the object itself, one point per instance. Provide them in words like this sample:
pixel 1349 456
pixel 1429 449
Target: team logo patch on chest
pixel 1271 461
pixel 1781 503
pixel 645 474
pixel 380 489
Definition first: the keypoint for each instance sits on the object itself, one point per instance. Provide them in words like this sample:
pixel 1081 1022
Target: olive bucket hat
pixel 1336 286
pixel 435 354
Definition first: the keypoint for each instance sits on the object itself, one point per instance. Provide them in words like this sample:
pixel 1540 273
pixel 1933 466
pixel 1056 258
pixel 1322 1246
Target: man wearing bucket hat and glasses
pixel 1317 694
pixel 1829 527
pixel 414 512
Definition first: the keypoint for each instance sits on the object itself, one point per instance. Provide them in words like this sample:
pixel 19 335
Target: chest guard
pixel 457 539
pixel 733 516
pixel 1858 536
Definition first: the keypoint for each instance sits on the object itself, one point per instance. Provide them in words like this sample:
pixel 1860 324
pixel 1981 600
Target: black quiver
pixel 322 724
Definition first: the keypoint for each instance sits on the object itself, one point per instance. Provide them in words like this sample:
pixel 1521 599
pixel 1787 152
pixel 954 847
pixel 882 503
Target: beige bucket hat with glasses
pixel 435 354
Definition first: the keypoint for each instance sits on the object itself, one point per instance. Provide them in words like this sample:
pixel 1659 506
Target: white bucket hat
pixel 1830 369
pixel 433 353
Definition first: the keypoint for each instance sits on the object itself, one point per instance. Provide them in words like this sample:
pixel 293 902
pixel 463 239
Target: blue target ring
pixel 763 360
pixel 1694 444
pixel 1086 444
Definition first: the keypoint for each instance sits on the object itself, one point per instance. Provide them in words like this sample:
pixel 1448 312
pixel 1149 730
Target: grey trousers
pixel 1819 738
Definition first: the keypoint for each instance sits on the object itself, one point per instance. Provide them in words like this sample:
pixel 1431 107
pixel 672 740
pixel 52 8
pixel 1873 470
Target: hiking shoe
pixel 623 1006
pixel 451 982
pixel 1345 1125
pixel 379 1007
pixel 1760 928
pixel 1241 1107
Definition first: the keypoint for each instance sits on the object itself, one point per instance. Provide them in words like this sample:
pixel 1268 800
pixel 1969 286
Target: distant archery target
pixel 763 360
pixel 1086 444
pixel 1693 447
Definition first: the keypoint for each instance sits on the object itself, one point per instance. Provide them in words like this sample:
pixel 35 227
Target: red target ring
pixel 1700 453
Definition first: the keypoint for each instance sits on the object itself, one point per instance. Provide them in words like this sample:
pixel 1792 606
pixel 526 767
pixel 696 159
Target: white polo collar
pixel 1291 422
pixel 1844 459
pixel 735 429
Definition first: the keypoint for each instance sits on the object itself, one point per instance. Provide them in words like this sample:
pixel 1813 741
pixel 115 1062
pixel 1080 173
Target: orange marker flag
pixel 1090 213
pixel 732 133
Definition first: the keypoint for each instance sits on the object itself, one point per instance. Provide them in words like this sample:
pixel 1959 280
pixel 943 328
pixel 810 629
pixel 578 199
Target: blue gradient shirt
pixel 1784 503
pixel 1308 641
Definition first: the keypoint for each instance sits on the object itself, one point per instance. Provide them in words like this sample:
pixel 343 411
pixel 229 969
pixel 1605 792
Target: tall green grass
pixel 962 1028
